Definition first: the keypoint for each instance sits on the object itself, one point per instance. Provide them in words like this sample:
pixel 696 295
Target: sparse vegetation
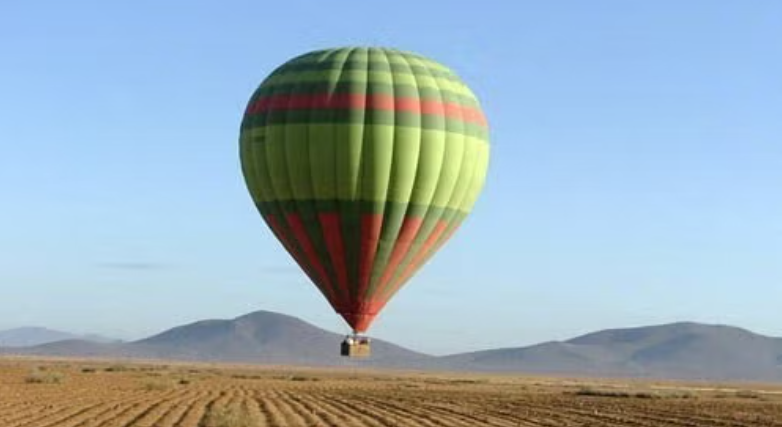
pixel 320 397
pixel 677 395
pixel 157 385
pixel 636 394
pixel 738 394
pixel 590 391
pixel 41 375
pixel 748 394
pixel 468 381
pixel 246 377
pixel 302 378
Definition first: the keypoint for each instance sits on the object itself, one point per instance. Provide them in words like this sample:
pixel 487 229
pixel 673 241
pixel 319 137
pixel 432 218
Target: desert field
pixel 69 393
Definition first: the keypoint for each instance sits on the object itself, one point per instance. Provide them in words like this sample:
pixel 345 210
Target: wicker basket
pixel 356 347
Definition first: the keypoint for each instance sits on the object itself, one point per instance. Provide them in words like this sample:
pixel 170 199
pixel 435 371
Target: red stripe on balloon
pixel 404 240
pixel 285 239
pixel 332 234
pixel 300 233
pixel 371 224
pixel 290 246
pixel 419 258
pixel 362 101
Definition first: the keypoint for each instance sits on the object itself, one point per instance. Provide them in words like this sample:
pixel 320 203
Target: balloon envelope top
pixel 363 162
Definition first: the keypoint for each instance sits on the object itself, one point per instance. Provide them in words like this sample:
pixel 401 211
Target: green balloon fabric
pixel 363 162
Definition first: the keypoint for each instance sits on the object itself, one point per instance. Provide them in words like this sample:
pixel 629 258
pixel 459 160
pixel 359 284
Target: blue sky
pixel 635 175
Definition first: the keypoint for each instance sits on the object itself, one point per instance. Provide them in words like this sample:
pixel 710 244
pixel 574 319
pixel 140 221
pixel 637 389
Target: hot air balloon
pixel 363 162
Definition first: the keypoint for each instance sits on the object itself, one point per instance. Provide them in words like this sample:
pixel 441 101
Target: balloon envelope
pixel 363 162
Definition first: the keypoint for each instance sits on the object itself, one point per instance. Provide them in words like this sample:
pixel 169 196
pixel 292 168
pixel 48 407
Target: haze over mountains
pixel 259 337
pixel 30 336
pixel 677 350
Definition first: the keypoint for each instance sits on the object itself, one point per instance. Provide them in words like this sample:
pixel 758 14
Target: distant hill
pixel 259 337
pixel 678 350
pixel 266 337
pixel 31 336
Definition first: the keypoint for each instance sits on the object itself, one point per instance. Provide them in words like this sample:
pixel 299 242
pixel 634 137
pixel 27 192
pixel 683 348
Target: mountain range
pixel 683 350
pixel 31 336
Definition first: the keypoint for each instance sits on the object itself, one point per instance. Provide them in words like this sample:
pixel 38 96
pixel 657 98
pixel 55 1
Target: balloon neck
pixel 360 318
pixel 358 337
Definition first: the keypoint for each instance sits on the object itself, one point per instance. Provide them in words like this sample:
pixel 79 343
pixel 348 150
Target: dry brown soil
pixel 71 393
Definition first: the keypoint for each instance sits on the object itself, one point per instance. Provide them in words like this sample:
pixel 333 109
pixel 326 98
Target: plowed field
pixel 92 394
